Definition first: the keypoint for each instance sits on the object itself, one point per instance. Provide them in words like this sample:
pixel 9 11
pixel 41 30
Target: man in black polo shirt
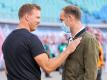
pixel 24 53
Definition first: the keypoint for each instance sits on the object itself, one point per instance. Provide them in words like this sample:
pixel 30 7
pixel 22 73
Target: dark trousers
pixel 99 74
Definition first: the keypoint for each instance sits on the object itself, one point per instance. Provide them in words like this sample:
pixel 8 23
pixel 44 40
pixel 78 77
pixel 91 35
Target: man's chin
pixel 33 30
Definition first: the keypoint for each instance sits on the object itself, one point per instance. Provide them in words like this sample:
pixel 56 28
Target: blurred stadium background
pixel 94 16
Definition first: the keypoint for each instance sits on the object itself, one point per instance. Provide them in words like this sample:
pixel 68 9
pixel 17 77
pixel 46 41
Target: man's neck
pixel 23 25
pixel 76 28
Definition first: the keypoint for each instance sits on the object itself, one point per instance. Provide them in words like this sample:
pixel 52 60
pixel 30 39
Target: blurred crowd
pixel 1 55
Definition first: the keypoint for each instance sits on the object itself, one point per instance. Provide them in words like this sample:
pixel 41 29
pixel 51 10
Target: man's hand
pixel 72 46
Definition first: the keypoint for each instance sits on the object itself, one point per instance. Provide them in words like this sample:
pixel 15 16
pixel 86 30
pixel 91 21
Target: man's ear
pixel 27 17
pixel 72 17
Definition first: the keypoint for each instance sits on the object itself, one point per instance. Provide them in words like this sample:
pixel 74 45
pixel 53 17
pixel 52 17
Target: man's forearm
pixel 56 62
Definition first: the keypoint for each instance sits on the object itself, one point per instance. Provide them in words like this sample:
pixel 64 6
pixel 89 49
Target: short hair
pixel 27 8
pixel 74 10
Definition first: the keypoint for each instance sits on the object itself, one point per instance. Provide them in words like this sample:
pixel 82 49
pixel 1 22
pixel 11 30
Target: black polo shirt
pixel 19 50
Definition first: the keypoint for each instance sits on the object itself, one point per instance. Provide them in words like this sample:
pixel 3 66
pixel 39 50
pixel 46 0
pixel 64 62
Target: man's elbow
pixel 48 70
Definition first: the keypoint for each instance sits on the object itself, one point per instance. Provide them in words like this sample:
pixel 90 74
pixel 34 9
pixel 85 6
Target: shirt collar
pixel 81 30
pixel 78 31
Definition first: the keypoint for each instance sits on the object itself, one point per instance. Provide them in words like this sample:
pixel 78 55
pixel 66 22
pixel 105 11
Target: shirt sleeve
pixel 90 59
pixel 36 46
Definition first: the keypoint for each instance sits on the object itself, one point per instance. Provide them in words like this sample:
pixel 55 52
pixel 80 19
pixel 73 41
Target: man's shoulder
pixel 33 36
pixel 88 36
